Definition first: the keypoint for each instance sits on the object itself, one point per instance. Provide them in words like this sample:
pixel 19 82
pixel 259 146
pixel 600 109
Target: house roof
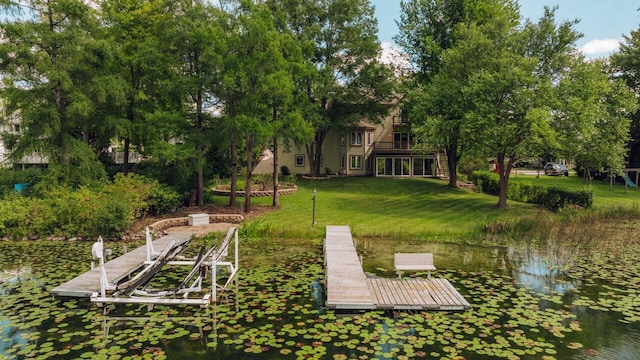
pixel 265 163
pixel 363 125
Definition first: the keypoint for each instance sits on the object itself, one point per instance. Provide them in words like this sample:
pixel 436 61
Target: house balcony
pixel 393 148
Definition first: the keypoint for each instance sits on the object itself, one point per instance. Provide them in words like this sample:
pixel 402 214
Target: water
pixel 528 302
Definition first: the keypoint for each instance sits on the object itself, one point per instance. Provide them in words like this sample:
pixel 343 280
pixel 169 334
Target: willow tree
pixel 50 59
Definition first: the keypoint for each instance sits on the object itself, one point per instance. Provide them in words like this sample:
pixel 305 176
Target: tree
pixel 626 65
pixel 50 60
pixel 593 117
pixel 515 74
pixel 347 83
pixel 132 29
pixel 257 82
pixel 436 106
pixel 194 42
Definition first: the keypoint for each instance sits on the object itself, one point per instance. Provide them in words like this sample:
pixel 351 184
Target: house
pixel 10 124
pixel 366 149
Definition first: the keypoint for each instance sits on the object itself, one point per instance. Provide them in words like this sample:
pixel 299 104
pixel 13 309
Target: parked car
pixel 555 169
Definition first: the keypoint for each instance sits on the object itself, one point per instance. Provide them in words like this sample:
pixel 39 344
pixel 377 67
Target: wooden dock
pixel 117 269
pixel 348 288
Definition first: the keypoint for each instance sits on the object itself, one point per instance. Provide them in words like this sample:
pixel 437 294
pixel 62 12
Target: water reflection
pixel 542 270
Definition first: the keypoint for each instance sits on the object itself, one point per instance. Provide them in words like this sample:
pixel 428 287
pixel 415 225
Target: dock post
pixel 149 244
pixel 214 280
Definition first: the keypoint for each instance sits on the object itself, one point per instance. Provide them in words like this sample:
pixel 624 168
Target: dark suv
pixel 555 169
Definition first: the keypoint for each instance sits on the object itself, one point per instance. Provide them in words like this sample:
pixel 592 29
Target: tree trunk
pixel 200 192
pixel 452 163
pixel 201 150
pixel 234 170
pixel 504 172
pixel 247 186
pixel 276 195
pixel 314 153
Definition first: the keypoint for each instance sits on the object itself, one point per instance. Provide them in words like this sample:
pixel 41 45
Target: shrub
pixel 106 210
pixel 284 169
pixel 10 177
pixel 487 182
pixel 549 197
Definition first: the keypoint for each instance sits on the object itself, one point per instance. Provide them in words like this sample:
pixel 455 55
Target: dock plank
pixel 117 269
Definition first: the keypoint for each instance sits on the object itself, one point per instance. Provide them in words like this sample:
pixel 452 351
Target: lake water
pixel 528 303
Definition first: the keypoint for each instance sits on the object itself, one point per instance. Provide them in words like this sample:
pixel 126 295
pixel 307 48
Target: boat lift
pixel 134 290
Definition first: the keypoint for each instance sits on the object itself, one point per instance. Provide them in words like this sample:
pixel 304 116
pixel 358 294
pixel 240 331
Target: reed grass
pixel 427 210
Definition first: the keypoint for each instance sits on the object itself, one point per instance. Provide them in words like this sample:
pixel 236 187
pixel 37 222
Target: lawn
pixel 409 207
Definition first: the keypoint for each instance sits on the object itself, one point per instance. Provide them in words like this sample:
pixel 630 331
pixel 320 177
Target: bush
pixel 549 197
pixel 285 170
pixel 487 182
pixel 107 210
pixel 10 177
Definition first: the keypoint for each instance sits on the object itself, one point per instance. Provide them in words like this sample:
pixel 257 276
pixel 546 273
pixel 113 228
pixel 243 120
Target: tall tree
pixel 347 83
pixel 427 28
pixel 626 65
pixel 516 71
pixel 132 28
pixel 593 117
pixel 257 81
pixel 193 40
pixel 50 59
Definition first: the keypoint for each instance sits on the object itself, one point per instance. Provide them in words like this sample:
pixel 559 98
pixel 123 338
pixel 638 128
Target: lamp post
pixel 313 218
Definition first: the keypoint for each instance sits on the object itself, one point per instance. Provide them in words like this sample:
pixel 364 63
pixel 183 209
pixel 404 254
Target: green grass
pixel 383 207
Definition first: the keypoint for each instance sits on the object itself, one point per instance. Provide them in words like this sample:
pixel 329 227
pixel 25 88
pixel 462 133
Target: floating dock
pixel 117 269
pixel 348 288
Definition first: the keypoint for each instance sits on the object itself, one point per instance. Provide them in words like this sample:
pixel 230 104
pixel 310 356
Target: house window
pixel 16 128
pixel 299 160
pixel 343 139
pixel 356 162
pixel 343 161
pixel 369 162
pixel 369 138
pixel 401 141
pixel 356 138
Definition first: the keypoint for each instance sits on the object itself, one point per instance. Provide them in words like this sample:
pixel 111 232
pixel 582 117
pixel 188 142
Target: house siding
pixel 375 145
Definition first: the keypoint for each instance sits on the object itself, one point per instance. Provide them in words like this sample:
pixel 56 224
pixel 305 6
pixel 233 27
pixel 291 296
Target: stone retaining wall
pixel 184 221
pixel 255 193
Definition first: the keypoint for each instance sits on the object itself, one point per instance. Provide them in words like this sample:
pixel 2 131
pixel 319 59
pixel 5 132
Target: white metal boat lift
pixel 133 291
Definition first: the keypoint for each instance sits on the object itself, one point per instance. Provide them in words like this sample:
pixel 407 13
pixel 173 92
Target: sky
pixel 602 22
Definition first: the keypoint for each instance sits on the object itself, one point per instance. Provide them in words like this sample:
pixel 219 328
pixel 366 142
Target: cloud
pixel 394 57
pixel 601 47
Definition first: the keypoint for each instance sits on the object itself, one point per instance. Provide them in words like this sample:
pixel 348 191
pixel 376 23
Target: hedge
pixel 549 197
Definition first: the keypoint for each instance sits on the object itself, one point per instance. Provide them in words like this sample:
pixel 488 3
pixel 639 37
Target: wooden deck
pixel 117 269
pixel 348 288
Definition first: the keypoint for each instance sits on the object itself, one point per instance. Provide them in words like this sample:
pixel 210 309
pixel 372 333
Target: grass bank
pixel 426 209
pixel 383 207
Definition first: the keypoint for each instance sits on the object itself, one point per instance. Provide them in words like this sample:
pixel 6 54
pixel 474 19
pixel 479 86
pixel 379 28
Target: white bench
pixel 414 262
pixel 198 219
